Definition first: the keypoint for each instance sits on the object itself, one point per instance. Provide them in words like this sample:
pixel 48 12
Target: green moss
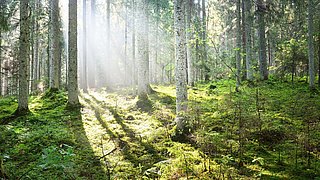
pixel 52 143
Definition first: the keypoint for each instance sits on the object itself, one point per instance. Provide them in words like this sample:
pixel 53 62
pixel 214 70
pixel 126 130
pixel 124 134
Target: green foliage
pixel 268 131
pixel 292 56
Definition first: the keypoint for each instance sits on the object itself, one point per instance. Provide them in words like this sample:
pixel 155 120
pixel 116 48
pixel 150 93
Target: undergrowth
pixel 267 131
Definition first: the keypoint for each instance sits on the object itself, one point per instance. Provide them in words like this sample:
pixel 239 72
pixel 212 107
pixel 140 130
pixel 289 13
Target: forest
pixel 159 89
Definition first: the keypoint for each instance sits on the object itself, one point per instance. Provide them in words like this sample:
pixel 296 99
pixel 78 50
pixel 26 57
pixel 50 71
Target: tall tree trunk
pixel 188 37
pixel 204 42
pixel 134 69
pixel 180 71
pixel 0 60
pixel 238 48
pixel 156 49
pixel 319 56
pixel 248 27
pixel 311 44
pixel 262 40
pixel 36 48
pixel 23 58
pixel 244 41
pixel 1 20
pixel 143 54
pixel 109 59
pixel 84 47
pixel 91 65
pixel 73 100
pixel 55 40
pixel 126 44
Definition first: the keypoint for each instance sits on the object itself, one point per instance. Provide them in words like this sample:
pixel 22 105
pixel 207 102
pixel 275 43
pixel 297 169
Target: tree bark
pixel 248 27
pixel 55 40
pixel 180 71
pixel 23 58
pixel 238 48
pixel 36 48
pixel 262 40
pixel 134 69
pixel 0 60
pixel 84 47
pixel 188 37
pixel 143 54
pixel 91 65
pixel 73 100
pixel 311 44
pixel 109 59
pixel 204 41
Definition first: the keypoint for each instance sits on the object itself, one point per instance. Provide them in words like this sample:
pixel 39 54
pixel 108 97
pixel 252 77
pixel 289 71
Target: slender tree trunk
pixel 143 54
pixel 188 37
pixel 134 69
pixel 23 58
pixel 126 45
pixel 238 48
pixel 204 41
pixel 55 40
pixel 1 19
pixel 156 49
pixel 73 100
pixel 84 47
pixel 36 48
pixel 244 41
pixel 319 56
pixel 248 24
pixel 109 59
pixel 0 61
pixel 262 40
pixel 311 43
pixel 92 64
pixel 32 37
pixel 180 71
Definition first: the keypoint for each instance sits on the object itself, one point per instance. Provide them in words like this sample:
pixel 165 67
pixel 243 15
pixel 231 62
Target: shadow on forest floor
pixel 49 143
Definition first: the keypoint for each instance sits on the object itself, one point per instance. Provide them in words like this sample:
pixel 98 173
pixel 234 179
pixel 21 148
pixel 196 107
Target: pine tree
pixel 181 75
pixel 73 100
pixel 23 58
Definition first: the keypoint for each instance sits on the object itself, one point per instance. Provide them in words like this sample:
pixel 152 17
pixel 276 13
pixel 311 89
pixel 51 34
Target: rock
pixel 130 117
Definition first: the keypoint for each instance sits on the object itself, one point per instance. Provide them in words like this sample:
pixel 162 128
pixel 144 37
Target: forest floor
pixel 270 131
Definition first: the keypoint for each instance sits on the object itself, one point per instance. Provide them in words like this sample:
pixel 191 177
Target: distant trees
pixel 139 50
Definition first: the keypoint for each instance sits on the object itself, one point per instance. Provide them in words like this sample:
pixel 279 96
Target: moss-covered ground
pixel 269 130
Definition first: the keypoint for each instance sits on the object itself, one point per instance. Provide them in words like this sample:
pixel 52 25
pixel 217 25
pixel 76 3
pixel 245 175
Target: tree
pixel 91 66
pixel 73 100
pixel 84 48
pixel 204 41
pixel 238 48
pixel 55 45
pixel 188 37
pixel 248 27
pixel 311 44
pixel 143 53
pixel 261 8
pixel 24 46
pixel 134 71
pixel 181 76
